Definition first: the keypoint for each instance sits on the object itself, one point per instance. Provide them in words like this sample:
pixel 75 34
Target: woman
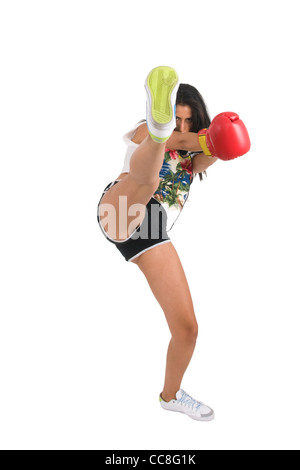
pixel 135 210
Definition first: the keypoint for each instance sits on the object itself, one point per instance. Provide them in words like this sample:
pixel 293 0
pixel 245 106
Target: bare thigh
pixel 164 272
pixel 123 207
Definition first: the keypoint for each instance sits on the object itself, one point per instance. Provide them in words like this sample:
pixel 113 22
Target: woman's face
pixel 183 118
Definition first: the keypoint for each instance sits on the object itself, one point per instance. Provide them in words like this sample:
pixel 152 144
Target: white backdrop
pixel 83 341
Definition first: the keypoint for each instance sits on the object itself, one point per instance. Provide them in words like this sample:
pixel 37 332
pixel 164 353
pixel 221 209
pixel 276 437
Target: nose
pixel 182 126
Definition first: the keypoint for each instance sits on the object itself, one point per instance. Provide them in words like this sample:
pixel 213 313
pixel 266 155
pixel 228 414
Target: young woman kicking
pixel 136 210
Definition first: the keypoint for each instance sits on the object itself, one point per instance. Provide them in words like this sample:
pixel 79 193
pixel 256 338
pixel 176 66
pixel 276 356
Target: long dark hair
pixel 188 95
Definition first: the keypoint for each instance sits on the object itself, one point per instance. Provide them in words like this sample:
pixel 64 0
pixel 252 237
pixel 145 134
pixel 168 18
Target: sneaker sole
pixel 207 418
pixel 161 82
pixel 203 418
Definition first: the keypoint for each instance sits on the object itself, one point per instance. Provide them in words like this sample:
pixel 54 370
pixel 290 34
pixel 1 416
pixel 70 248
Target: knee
pixel 187 333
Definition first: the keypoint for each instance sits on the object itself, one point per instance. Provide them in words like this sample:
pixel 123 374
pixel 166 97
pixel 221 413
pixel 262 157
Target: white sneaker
pixel 161 86
pixel 187 405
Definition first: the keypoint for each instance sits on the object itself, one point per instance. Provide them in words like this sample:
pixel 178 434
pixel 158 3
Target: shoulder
pixel 141 133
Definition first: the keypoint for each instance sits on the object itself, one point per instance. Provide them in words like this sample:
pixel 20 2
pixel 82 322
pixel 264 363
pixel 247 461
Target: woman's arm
pixel 178 141
pixel 201 162
pixel 181 141
pixel 188 141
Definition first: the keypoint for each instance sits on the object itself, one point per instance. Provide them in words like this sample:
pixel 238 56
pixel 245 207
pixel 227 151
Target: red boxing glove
pixel 226 138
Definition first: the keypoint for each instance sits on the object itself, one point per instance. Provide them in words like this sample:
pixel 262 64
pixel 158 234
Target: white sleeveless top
pixel 131 146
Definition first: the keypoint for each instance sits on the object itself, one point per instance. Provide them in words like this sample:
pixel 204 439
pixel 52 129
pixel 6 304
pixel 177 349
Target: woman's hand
pixel 226 138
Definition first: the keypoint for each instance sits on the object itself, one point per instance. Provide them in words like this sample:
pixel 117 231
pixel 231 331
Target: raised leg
pixel 134 190
pixel 138 186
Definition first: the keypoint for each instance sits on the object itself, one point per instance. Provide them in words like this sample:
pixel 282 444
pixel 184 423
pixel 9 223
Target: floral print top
pixel 176 177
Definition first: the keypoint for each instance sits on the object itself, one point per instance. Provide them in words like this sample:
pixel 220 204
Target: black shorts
pixel 151 232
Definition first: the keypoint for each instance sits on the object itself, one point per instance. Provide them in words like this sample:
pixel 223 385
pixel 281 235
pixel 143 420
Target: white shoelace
pixel 187 400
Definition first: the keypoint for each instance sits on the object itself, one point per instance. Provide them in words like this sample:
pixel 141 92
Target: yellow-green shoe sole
pixel 161 82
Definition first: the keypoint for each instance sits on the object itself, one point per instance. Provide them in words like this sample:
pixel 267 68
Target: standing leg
pixel 165 275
